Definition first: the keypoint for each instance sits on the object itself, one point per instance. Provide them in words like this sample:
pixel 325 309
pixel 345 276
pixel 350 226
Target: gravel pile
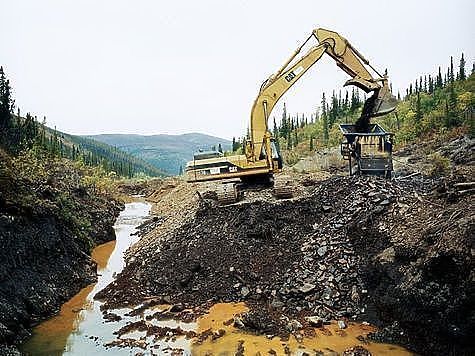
pixel 398 254
pixel 290 256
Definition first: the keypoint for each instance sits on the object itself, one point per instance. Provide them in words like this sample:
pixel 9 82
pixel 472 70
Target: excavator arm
pixel 346 57
pixel 271 91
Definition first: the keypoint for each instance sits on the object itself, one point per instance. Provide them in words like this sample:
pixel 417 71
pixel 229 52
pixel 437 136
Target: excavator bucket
pixel 382 102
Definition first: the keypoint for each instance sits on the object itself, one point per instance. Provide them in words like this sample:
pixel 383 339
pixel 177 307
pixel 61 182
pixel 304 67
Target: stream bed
pixel 81 328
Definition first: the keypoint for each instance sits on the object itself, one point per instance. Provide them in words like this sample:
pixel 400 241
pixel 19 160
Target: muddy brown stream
pixel 80 329
pixel 75 329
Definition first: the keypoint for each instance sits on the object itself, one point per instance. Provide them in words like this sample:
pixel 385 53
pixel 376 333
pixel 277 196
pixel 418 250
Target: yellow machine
pixel 262 157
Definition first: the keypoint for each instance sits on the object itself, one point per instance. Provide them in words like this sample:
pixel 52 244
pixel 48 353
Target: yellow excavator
pixel 261 158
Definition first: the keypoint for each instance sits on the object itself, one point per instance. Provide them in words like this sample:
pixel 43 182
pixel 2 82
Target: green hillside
pixel 166 152
pixel 112 158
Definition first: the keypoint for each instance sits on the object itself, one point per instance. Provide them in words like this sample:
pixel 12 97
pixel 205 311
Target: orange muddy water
pixel 330 340
pixel 74 330
pixel 80 329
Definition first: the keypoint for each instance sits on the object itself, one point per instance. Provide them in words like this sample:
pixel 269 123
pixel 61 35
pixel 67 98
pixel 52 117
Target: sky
pixel 151 67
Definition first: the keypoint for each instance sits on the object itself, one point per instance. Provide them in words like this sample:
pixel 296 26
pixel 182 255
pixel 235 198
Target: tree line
pixel 19 133
pixel 447 96
pixel 291 130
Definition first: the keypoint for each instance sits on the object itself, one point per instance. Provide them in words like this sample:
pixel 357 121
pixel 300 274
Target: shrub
pixel 440 164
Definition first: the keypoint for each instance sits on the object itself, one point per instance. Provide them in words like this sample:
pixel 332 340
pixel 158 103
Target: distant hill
pixel 166 152
pixel 98 153
pixel 112 157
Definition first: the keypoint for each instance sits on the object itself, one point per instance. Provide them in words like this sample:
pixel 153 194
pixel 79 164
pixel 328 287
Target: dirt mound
pixel 422 277
pixel 440 155
pixel 352 248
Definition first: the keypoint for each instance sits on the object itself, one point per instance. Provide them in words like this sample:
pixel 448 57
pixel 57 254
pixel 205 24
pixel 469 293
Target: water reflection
pixel 79 328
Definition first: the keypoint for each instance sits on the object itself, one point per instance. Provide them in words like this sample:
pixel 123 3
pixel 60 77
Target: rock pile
pixel 394 253
pixel 291 256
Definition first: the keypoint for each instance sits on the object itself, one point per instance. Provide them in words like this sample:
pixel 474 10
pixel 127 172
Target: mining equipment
pixel 261 158
pixel 368 152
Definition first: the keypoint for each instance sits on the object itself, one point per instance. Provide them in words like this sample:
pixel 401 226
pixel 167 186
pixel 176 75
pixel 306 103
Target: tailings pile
pixel 352 248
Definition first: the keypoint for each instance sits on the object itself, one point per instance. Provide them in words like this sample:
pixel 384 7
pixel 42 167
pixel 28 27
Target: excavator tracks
pixel 228 193
pixel 283 187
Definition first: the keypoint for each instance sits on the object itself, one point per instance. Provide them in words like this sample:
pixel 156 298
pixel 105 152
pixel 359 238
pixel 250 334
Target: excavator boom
pixel 354 64
pixel 346 57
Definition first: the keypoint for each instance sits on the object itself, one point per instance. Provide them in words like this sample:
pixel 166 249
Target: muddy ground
pixel 395 253
pixel 47 228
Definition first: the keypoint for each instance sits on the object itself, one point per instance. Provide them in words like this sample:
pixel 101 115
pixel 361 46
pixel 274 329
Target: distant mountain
pixel 166 152
pixel 110 157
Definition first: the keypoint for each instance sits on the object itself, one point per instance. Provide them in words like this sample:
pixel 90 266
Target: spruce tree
pixel 340 102
pixel 325 128
pixel 284 124
pixel 130 171
pixel 451 72
pixel 333 114
pixel 353 103
pixel 452 106
pixel 6 103
pixel 347 102
pixel 462 75
pixel 325 119
pixel 439 79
